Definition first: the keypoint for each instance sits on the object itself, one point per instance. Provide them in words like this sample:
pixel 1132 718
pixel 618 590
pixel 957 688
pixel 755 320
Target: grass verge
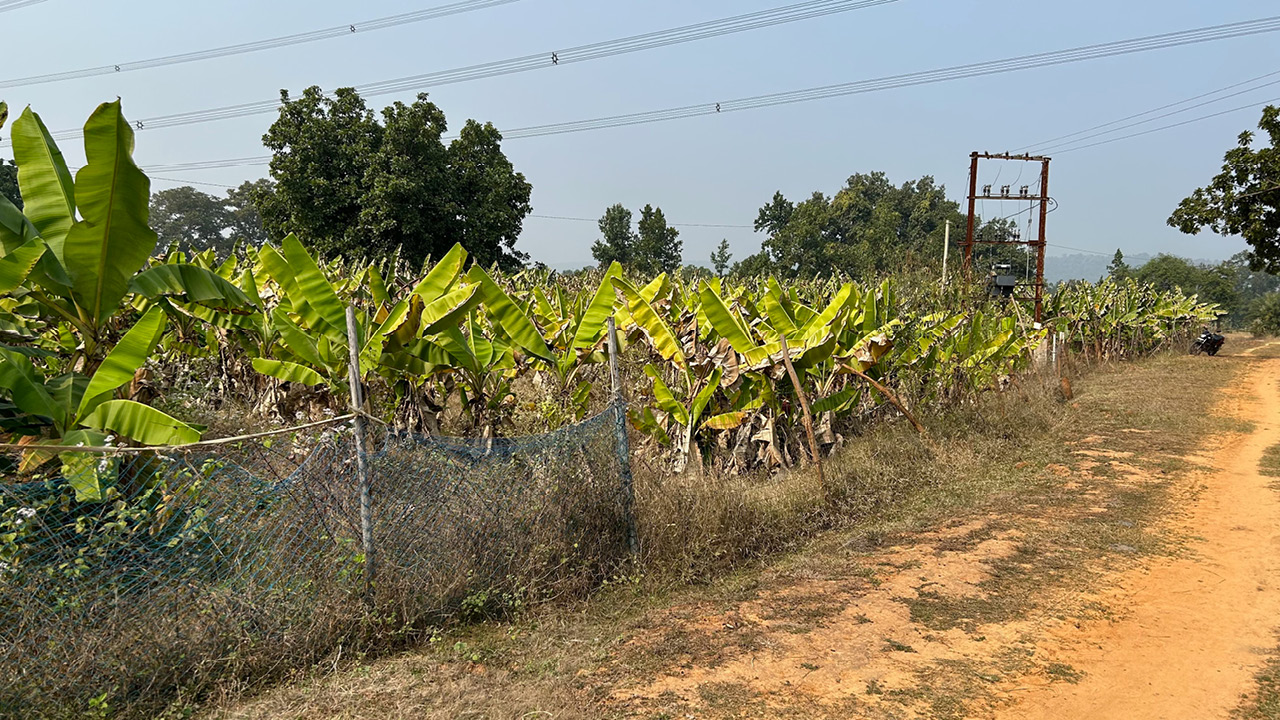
pixel 1020 460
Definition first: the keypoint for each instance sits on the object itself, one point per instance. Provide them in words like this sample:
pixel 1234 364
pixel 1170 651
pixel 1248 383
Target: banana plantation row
pixel 86 305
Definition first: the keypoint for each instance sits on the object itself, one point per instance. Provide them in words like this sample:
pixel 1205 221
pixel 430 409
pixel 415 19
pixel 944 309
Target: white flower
pixel 299 415
pixel 26 512
pixel 108 439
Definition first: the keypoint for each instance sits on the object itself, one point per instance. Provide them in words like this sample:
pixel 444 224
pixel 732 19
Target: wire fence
pixel 128 579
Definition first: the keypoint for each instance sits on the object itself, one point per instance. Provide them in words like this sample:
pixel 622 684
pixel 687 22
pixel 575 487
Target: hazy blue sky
pixel 717 169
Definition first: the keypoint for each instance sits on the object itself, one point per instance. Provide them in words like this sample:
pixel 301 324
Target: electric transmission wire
pixel 456 8
pixel 1026 62
pixel 1114 127
pixel 7 5
pixel 1233 86
pixel 583 53
pixel 1149 131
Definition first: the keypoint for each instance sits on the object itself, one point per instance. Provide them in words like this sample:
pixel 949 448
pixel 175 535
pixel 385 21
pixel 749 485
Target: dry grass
pixel 704 534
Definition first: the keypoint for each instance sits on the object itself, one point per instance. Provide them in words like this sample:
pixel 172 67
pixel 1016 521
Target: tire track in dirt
pixel 1190 632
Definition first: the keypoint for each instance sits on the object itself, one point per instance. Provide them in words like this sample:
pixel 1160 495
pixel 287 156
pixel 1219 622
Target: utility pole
pixel 1023 195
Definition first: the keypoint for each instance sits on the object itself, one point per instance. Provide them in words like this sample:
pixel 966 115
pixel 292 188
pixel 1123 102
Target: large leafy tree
pixel 322 149
pixel 655 248
pixel 1118 268
pixel 244 219
pixel 191 220
pixel 195 221
pixel 350 185
pixel 1211 283
pixel 658 245
pixel 1244 199
pixel 490 199
pixel 617 243
pixel 869 226
pixel 720 258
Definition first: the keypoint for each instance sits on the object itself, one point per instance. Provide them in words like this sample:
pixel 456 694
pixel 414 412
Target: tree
pixel 658 247
pixel 870 226
pixel 1119 269
pixel 1244 199
pixel 244 220
pixel 721 257
pixel 1264 315
pixel 349 185
pixel 321 149
pixel 9 183
pixel 618 241
pixel 192 220
pixel 1168 272
pixel 489 198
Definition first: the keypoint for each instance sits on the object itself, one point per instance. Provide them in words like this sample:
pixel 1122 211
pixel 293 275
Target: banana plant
pixel 84 410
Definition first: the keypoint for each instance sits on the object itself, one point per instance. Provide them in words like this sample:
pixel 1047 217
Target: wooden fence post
pixel 362 460
pixel 623 443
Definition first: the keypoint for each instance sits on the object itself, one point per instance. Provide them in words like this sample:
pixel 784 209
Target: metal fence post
pixel 362 461
pixel 623 443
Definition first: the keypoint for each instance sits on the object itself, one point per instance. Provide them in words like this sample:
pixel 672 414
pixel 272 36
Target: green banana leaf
pixel 660 335
pixel 192 284
pixel 124 360
pixel 443 275
pixel 665 399
pixel 287 371
pixel 295 339
pixel 48 192
pixel 139 422
pixel 86 473
pixel 319 308
pixel 596 316
pixel 112 241
pixel 513 320
pixel 18 263
pixel 26 388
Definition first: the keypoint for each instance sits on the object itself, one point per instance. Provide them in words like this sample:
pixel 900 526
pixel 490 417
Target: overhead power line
pixel 345 30
pixel 1149 131
pixel 582 53
pixel 1059 57
pixel 7 5
pixel 1114 127
pixel 1144 113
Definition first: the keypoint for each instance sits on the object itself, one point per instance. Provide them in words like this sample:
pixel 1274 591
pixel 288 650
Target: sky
pixel 712 170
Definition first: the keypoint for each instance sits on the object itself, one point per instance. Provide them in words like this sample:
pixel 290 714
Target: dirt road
pixel 1122 560
pixel 1190 633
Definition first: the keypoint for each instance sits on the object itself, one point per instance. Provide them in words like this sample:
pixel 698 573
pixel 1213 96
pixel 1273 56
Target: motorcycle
pixel 1209 342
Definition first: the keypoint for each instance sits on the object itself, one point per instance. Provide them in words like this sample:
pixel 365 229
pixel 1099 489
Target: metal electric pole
pixel 1023 195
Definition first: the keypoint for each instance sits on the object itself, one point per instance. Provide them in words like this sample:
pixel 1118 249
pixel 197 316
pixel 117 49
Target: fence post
pixel 623 443
pixel 362 461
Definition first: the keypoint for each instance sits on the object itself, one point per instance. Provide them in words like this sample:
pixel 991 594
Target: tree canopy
pixel 655 248
pixel 350 185
pixel 1244 199
pixel 9 183
pixel 869 227
pixel 194 221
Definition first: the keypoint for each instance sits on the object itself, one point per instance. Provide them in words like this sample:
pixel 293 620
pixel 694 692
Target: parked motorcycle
pixel 1209 342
